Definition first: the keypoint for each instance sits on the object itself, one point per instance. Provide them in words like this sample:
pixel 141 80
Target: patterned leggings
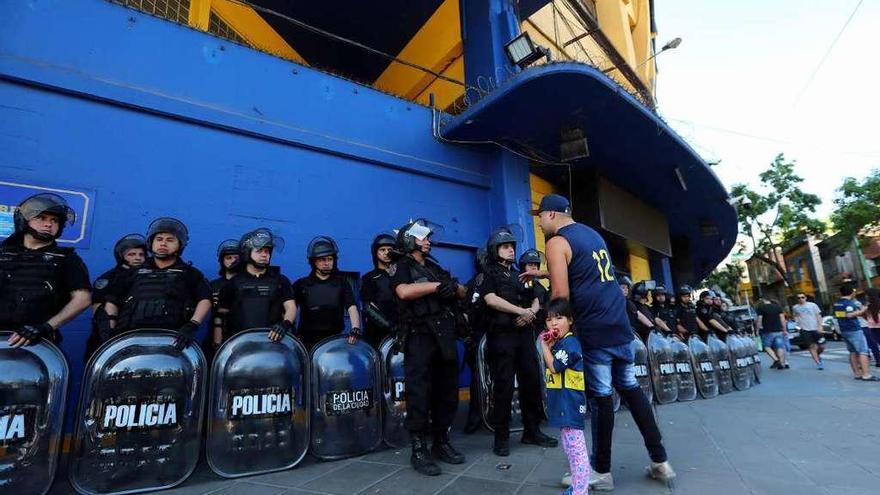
pixel 575 447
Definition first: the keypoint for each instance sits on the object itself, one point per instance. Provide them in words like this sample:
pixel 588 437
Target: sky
pixel 738 88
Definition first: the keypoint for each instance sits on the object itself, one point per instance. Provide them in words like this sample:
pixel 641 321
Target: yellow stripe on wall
pixel 253 29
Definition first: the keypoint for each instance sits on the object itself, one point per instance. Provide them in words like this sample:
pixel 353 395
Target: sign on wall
pixel 81 200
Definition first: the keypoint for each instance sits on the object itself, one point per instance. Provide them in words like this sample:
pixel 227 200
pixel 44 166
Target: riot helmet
pixel 320 247
pixel 625 285
pixel 259 239
pixel 508 234
pixel 640 289
pixel 684 290
pixel 229 246
pixel 707 293
pixel 416 230
pixel 480 260
pixel 659 290
pixel 531 256
pixel 130 241
pixel 43 203
pixel 167 225
pixel 381 240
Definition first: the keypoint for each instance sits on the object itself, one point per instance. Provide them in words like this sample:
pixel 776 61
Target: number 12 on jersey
pixel 603 264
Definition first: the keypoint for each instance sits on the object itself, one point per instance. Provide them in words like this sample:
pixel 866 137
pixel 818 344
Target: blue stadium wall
pixel 155 119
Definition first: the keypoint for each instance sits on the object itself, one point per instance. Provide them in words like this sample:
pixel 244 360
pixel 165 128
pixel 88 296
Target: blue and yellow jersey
pixel 566 399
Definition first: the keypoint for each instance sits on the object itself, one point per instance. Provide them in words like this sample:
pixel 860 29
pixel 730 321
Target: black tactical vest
pixel 29 284
pixel 430 306
pixel 666 313
pixel 157 299
pixel 508 287
pixel 257 304
pixel 687 316
pixel 321 308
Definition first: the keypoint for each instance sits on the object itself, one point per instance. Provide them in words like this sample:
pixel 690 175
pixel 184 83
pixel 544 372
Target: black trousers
pixel 431 382
pixel 512 353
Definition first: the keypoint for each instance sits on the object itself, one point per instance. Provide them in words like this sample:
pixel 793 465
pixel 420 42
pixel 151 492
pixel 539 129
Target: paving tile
pixel 514 468
pixel 250 489
pixel 308 470
pixel 354 478
pixel 409 482
pixel 464 484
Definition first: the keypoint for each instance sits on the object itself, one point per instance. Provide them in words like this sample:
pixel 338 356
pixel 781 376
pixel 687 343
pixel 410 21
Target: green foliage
pixel 858 205
pixel 727 278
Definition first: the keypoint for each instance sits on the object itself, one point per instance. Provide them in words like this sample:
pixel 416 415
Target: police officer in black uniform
pixel 164 292
pixel 510 343
pixel 641 315
pixel 475 308
pixel 428 300
pixel 380 304
pixel 687 323
pixel 129 252
pixel 664 312
pixel 258 296
pixel 42 285
pixel 709 317
pixel 324 295
pixel 227 258
pixel 531 260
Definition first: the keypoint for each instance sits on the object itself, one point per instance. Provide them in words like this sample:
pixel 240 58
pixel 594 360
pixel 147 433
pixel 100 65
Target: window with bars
pixel 173 10
pixel 217 27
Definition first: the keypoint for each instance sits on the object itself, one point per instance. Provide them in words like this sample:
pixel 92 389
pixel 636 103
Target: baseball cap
pixel 553 202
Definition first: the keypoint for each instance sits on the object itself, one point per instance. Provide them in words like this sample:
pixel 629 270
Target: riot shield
pixel 643 376
pixel 139 419
pixel 33 392
pixel 258 405
pixel 394 392
pixel 756 356
pixel 705 367
pixel 662 366
pixel 487 397
pixel 687 385
pixel 722 356
pixel 346 385
pixel 742 372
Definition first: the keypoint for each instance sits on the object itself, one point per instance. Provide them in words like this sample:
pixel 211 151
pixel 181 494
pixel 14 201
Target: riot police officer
pixel 42 285
pixel 227 258
pixel 709 317
pixel 380 304
pixel 164 292
pixel 531 260
pixel 664 312
pixel 258 296
pixel 324 295
pixel 640 313
pixel 428 297
pixel 512 307
pixel 130 252
pixel 475 308
pixel 687 323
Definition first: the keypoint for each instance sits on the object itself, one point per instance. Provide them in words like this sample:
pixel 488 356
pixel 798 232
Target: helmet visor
pixel 47 203
pixel 264 238
pixel 421 229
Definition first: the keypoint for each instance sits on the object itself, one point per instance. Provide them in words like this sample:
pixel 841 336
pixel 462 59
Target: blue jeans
pixel 856 342
pixel 773 340
pixel 609 366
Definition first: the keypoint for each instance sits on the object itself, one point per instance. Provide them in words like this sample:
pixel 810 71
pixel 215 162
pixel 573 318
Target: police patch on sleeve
pixel 101 283
pixel 392 269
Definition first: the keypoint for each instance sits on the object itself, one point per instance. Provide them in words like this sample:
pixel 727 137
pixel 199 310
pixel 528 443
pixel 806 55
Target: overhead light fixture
pixel 523 52
pixel 573 145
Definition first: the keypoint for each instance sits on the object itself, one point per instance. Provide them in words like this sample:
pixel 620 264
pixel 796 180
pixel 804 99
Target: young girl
pixel 566 400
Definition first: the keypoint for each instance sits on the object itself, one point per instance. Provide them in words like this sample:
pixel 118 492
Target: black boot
pixel 444 451
pixel 537 437
pixel 502 445
pixel 420 459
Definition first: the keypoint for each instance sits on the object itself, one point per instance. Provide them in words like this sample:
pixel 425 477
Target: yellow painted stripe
pixel 438 46
pixel 199 14
pixel 253 29
pixel 445 92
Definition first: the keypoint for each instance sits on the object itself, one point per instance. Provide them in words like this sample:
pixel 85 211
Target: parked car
pixel 794 334
pixel 831 328
pixel 746 316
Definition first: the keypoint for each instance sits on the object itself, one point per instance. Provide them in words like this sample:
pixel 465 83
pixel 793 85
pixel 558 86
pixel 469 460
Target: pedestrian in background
pixel 872 318
pixel 771 325
pixel 809 317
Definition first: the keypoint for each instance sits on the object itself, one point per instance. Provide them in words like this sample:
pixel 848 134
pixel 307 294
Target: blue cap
pixel 553 202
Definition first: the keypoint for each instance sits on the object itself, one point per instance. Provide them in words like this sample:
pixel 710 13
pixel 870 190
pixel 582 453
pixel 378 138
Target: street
pixel 801 431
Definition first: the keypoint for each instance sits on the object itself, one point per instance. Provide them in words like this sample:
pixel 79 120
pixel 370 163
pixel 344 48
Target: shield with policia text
pixel 394 395
pixel 705 367
pixel 139 418
pixel 662 364
pixel 346 405
pixel 33 391
pixel 687 385
pixel 742 359
pixel 258 405
pixel 722 355
pixel 642 369
pixel 487 396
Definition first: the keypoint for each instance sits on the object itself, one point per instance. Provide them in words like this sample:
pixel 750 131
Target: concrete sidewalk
pixel 802 431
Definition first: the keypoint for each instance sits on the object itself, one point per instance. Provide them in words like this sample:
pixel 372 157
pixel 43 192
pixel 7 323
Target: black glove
pixel 102 324
pixel 448 288
pixel 355 331
pixel 33 333
pixel 186 334
pixel 283 327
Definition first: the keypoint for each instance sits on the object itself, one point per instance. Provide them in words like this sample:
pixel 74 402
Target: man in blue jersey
pixel 580 270
pixel 847 312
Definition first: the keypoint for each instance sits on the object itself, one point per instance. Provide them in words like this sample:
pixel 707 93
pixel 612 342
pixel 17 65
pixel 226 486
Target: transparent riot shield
pixel 722 356
pixel 705 367
pixel 687 385
pixel 139 419
pixel 33 392
pixel 662 367
pixel 394 392
pixel 346 410
pixel 643 375
pixel 487 396
pixel 258 405
pixel 742 372
pixel 756 357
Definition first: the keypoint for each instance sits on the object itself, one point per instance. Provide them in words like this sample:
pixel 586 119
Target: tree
pixel 776 214
pixel 726 278
pixel 858 205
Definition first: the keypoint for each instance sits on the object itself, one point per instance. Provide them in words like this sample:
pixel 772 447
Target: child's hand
pixel 549 336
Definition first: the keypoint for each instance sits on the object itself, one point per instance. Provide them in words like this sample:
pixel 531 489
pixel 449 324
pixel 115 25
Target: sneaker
pixel 601 482
pixel 820 365
pixel 786 366
pixel 870 379
pixel 775 366
pixel 661 471
pixel 566 480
